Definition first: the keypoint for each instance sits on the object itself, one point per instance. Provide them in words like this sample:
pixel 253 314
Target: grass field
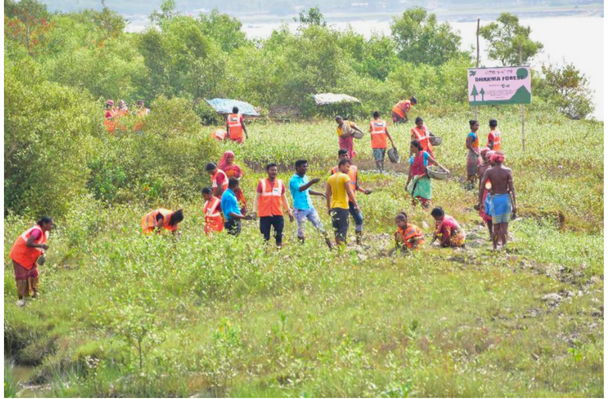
pixel 126 315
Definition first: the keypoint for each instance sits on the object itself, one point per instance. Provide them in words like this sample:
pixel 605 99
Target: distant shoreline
pixel 455 15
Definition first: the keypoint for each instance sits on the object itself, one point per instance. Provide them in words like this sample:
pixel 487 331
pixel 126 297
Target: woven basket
pixel 436 140
pixel 437 173
pixel 393 155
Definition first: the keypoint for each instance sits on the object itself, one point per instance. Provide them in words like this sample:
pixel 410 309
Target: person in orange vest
pixel 379 134
pixel 408 236
pixel 235 126
pixel 109 116
pixel 27 252
pixel 401 109
pixel 353 174
pixel 494 137
pixel 159 219
pixel 219 180
pixel 473 156
pixel 339 196
pixel 213 212
pixel 269 198
pixel 142 113
pixel 421 133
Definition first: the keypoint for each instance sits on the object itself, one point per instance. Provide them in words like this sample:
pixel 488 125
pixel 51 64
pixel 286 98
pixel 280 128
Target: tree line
pixel 61 67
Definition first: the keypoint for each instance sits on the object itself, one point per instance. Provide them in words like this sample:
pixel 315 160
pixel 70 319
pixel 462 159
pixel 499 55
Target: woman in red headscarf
pixel 233 170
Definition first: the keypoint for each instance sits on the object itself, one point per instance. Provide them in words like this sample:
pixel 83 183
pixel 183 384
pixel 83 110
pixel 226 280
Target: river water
pixel 576 40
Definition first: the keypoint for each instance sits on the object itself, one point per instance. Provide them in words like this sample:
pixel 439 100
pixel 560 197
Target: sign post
pixel 501 85
pixel 523 137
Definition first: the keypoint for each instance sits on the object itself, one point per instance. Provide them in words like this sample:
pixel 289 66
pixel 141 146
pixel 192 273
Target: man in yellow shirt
pixel 338 194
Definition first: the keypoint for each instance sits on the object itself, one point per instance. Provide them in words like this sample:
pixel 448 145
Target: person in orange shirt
pixel 109 116
pixel 379 134
pixel 401 109
pixel 27 252
pixel 142 113
pixel 408 236
pixel 213 212
pixel 235 126
pixel 269 199
pixel 421 133
pixel 494 137
pixel 161 219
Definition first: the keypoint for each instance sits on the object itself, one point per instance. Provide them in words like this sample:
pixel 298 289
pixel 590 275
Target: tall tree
pixel 313 16
pixel 506 36
pixel 421 40
pixel 27 22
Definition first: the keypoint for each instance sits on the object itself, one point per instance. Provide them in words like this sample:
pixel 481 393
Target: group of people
pixel 225 205
pixel 113 115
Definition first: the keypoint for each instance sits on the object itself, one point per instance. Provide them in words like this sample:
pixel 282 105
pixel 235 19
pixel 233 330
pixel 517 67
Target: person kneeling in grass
pixel 447 230
pixel 408 236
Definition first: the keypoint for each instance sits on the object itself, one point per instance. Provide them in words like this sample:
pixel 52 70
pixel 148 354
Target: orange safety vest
pixel 24 255
pixel 213 217
pixel 270 198
pixel 352 175
pixel 475 143
pixel 411 233
pixel 214 181
pixel 378 133
pixel 149 222
pixel 497 136
pixel 235 127
pixel 423 137
pixel 401 107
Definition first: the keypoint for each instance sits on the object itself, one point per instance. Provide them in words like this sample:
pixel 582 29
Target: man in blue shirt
pixel 230 207
pixel 303 209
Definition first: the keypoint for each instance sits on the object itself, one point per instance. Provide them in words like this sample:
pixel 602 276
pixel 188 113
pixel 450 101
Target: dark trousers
pixel 357 215
pixel 233 226
pixel 267 222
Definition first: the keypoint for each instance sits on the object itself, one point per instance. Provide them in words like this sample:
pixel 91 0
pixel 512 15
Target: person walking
pixel 303 209
pixel 339 196
pixel 353 175
pixel 421 133
pixel 269 200
pixel 379 135
pixel 235 126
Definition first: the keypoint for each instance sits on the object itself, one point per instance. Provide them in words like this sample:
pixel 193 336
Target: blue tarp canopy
pixel 224 106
